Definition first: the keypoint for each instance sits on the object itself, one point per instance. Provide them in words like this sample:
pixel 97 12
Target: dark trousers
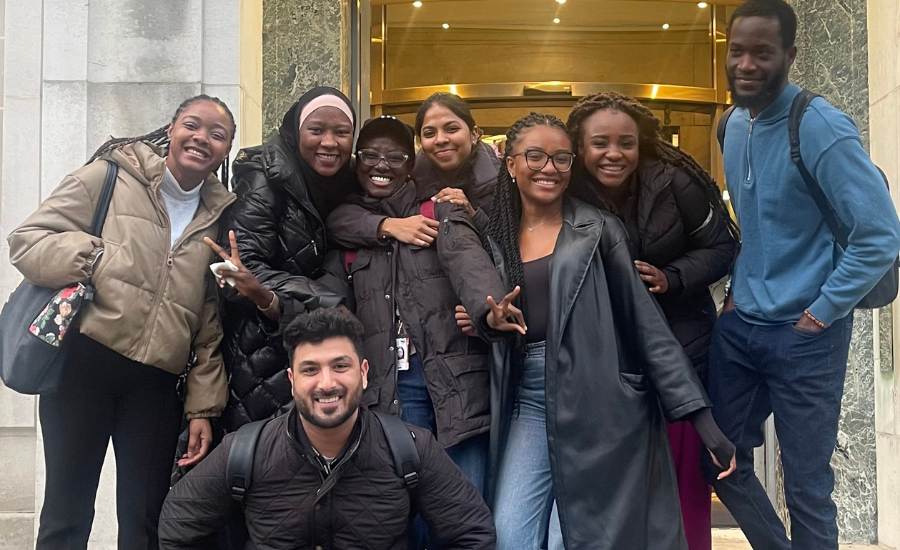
pixel 758 370
pixel 103 396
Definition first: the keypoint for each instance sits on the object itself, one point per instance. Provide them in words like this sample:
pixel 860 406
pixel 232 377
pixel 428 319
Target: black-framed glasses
pixel 537 159
pixel 370 157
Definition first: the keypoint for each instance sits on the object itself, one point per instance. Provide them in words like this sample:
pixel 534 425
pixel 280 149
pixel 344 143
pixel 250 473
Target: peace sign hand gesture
pixel 244 281
pixel 505 316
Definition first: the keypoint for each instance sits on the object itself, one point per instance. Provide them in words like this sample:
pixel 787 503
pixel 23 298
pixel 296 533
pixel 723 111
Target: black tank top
pixel 537 290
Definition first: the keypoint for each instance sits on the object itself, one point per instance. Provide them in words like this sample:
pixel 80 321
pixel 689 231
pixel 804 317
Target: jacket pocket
pixel 109 252
pixel 471 378
pixel 428 266
pixel 637 382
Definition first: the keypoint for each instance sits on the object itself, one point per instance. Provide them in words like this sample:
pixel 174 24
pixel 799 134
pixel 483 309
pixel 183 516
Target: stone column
pixel 832 61
pixel 305 44
pixel 76 73
pixel 884 136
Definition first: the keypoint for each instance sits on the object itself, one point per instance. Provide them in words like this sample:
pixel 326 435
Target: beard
pixel 307 410
pixel 768 94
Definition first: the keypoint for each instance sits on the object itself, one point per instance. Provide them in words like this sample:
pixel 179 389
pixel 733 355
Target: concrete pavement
pixel 733 539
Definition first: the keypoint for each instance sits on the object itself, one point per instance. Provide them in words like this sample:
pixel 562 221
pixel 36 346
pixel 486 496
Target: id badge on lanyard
pixel 402 345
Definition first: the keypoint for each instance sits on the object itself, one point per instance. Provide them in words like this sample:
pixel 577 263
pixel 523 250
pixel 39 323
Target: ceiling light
pixel 417 4
pixel 665 25
pixel 556 20
pixel 560 1
pixel 446 26
pixel 702 5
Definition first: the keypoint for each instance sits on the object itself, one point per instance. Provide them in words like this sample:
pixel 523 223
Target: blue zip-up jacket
pixel 789 260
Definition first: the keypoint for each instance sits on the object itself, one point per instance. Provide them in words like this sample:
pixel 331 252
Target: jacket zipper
pixel 749 135
pixel 170 261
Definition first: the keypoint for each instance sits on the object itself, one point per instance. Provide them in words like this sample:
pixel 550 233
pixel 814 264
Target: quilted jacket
pixel 361 504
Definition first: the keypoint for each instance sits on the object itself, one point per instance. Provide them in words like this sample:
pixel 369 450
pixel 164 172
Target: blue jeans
pixel 417 409
pixel 525 510
pixel 755 371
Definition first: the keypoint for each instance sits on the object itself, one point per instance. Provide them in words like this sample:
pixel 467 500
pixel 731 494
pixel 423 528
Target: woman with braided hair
pixel 578 443
pixel 154 301
pixel 683 240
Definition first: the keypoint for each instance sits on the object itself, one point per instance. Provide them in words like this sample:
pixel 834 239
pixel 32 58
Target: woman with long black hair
pixel 154 301
pixel 578 442
pixel 285 189
pixel 683 239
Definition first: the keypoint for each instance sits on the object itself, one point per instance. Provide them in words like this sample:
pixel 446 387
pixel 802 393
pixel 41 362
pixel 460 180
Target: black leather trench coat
pixel 614 370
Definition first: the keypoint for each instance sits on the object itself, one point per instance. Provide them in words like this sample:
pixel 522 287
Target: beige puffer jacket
pixel 149 300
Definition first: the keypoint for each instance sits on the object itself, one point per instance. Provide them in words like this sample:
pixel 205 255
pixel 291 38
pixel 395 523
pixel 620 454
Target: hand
pixel 498 317
pixel 729 303
pixel 464 322
pixel 415 230
pixel 657 280
pixel 454 196
pixel 244 281
pixel 805 324
pixel 198 442
pixel 731 467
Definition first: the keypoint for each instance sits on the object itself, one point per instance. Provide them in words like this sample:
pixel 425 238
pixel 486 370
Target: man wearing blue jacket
pixel 782 344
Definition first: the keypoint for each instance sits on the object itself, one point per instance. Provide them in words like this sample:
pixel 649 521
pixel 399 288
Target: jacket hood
pixel 478 180
pixel 146 163
pixel 398 205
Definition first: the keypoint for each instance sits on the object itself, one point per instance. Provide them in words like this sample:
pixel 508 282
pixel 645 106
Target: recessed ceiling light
pixel 417 4
pixel 446 26
pixel 556 20
pixel 560 1
pixel 702 5
pixel 665 25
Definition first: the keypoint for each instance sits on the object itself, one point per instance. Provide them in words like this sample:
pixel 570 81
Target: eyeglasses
pixel 537 160
pixel 371 157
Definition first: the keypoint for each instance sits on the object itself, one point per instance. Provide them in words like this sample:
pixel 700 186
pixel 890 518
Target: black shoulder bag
pixel 35 320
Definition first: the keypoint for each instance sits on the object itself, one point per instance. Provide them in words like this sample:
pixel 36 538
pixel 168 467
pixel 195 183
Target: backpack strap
pixel 109 185
pixel 403 447
pixel 798 108
pixel 426 209
pixel 239 467
pixel 720 129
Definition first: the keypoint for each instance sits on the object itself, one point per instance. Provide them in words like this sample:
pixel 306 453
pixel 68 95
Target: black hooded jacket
pixel 278 223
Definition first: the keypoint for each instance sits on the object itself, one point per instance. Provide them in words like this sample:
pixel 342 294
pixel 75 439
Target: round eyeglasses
pixel 537 160
pixel 370 157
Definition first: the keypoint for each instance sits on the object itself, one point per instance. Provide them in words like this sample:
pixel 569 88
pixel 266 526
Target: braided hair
pixel 506 213
pixel 649 144
pixel 160 136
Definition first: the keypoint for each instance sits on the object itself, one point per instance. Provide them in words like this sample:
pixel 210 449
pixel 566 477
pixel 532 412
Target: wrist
pixel 263 298
pixel 384 231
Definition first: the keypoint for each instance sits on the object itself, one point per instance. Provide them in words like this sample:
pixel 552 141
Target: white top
pixel 180 204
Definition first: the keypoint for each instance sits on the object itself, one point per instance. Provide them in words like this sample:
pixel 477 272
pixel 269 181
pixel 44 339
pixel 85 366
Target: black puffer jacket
pixel 362 504
pixel 426 284
pixel 673 228
pixel 281 239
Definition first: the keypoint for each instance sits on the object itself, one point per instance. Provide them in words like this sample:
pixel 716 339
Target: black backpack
pixel 239 468
pixel 885 291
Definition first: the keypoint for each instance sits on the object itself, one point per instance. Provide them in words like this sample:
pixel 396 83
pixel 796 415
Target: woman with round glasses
pixel 578 444
pixel 421 366
pixel 683 240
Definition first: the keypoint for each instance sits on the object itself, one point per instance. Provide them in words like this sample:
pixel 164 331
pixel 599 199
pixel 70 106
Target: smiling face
pixel 326 140
pixel 327 381
pixel 382 180
pixel 758 63
pixel 545 186
pixel 445 138
pixel 609 147
pixel 199 140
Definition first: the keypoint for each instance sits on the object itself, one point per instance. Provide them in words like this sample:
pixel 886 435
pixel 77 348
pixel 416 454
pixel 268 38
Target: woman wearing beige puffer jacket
pixel 154 301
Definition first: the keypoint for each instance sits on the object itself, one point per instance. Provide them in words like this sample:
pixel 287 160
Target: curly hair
pixel 160 137
pixel 649 144
pixel 506 211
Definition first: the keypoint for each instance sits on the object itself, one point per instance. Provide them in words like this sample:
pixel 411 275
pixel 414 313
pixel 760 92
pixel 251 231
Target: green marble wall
pixel 301 49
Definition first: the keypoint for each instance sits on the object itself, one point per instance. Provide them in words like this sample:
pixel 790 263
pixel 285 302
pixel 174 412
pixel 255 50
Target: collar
pixel 295 428
pixel 172 189
pixel 781 107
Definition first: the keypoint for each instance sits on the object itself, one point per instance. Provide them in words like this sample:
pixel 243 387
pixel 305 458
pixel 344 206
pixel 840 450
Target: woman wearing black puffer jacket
pixel 683 240
pixel 285 189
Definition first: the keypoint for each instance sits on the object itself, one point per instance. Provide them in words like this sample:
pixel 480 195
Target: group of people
pixel 534 319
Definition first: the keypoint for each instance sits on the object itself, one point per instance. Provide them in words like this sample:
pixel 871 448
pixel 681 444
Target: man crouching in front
pixel 323 473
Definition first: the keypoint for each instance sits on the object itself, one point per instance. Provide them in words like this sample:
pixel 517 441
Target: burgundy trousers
pixel 694 492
